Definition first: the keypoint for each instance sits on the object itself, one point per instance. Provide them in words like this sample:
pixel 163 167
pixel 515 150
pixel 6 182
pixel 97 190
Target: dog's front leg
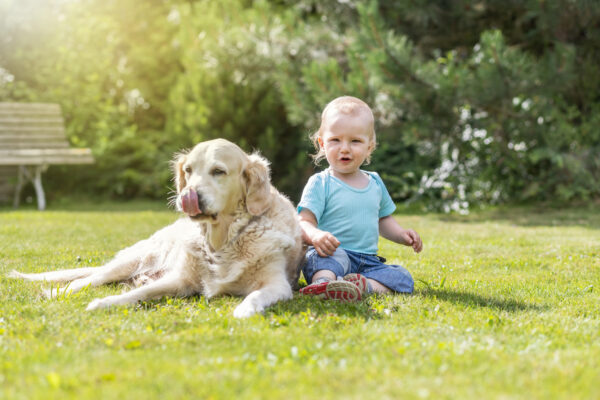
pixel 276 289
pixel 172 284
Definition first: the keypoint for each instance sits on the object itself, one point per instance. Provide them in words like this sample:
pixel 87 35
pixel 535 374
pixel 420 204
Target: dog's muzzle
pixel 190 203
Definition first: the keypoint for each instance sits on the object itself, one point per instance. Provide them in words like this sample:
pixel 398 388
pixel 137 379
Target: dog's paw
pixel 56 292
pixel 49 293
pixel 14 274
pixel 246 309
pixel 98 304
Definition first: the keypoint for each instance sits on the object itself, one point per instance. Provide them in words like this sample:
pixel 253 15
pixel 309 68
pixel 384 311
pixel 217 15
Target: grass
pixel 506 305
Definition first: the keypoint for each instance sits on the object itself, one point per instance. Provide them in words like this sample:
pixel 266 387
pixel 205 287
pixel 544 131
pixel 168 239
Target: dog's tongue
pixel 189 203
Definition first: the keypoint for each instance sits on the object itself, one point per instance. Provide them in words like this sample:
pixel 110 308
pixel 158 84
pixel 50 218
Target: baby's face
pixel 347 141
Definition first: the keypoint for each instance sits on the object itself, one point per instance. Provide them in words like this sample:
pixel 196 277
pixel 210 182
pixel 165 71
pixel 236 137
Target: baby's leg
pixel 326 268
pixel 378 287
pixel 385 278
pixel 324 275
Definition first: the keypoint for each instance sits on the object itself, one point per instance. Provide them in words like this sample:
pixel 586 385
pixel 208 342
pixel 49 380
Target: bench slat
pixel 32 107
pixel 33 139
pixel 27 112
pixel 24 137
pixel 38 145
pixel 28 130
pixel 46 156
pixel 11 122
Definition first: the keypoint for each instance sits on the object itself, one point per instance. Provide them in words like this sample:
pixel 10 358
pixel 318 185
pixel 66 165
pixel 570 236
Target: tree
pixel 470 108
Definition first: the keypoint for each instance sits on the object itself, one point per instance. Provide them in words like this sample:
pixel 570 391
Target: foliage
pixel 513 314
pixel 111 90
pixel 227 89
pixel 139 81
pixel 476 102
pixel 471 109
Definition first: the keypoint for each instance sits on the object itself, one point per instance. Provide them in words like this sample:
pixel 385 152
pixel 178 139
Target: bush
pixel 464 118
pixel 475 103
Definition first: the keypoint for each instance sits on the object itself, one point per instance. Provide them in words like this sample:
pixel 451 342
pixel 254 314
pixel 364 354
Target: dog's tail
pixel 65 275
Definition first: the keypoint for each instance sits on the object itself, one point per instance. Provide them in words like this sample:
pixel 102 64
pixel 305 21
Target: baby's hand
pixel 412 238
pixel 325 243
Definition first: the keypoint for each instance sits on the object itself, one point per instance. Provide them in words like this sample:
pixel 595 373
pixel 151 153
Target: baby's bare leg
pixel 378 287
pixel 324 273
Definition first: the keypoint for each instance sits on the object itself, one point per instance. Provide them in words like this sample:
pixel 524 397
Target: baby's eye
pixel 356 141
pixel 334 140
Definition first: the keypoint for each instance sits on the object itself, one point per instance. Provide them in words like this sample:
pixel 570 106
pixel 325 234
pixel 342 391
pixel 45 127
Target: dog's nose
pixel 190 202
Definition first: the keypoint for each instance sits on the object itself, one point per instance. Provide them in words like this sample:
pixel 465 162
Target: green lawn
pixel 506 306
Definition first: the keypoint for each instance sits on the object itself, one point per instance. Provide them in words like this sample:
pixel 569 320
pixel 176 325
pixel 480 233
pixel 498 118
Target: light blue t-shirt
pixel 350 214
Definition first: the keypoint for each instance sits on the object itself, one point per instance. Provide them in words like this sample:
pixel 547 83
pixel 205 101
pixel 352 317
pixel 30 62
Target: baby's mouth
pixel 345 159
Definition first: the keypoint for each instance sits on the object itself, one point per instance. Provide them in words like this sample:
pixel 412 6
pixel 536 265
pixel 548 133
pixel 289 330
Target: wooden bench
pixel 32 137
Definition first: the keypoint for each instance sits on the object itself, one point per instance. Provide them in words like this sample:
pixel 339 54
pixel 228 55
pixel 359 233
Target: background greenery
pixel 476 102
pixel 505 306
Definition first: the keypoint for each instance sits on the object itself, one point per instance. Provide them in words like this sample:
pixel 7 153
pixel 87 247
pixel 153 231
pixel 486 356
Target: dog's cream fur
pixel 246 241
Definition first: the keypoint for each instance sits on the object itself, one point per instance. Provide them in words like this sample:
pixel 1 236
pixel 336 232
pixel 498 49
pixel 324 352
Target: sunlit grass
pixel 506 306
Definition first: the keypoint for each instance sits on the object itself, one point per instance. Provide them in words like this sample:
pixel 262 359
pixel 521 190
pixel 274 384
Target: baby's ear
pixel 178 172
pixel 372 145
pixel 257 183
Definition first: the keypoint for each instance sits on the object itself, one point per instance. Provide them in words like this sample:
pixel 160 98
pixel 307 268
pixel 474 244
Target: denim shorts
pixel 344 262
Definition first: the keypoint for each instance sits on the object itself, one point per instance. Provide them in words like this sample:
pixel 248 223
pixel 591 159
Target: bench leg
pixel 36 179
pixel 39 189
pixel 19 187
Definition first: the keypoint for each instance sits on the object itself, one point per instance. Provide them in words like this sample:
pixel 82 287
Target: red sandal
pixel 334 290
pixel 359 280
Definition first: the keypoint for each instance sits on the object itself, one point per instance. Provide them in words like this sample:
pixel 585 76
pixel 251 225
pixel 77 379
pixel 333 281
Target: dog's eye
pixel 217 172
pixel 188 169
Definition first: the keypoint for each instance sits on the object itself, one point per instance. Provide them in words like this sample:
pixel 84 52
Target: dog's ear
pixel 257 182
pixel 178 172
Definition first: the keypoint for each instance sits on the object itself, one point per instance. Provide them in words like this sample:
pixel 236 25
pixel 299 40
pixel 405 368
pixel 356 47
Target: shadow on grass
pixel 365 309
pixel 310 307
pixel 584 216
pixel 316 308
pixel 477 300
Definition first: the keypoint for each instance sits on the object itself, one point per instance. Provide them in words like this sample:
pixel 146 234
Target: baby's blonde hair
pixel 350 106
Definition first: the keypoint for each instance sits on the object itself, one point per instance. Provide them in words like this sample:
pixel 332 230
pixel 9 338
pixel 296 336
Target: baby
pixel 344 209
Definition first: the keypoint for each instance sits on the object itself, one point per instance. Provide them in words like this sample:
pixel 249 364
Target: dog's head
pixel 216 175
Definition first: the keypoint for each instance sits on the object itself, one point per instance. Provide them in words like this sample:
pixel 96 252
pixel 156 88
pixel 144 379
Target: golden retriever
pixel 240 237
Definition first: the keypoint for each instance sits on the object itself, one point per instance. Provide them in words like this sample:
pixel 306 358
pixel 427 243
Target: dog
pixel 239 236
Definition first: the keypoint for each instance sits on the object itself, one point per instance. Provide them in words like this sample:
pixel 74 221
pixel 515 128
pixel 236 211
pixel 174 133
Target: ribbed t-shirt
pixel 351 215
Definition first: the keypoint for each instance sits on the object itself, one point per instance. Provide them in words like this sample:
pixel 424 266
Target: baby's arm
pixel 324 242
pixel 391 230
